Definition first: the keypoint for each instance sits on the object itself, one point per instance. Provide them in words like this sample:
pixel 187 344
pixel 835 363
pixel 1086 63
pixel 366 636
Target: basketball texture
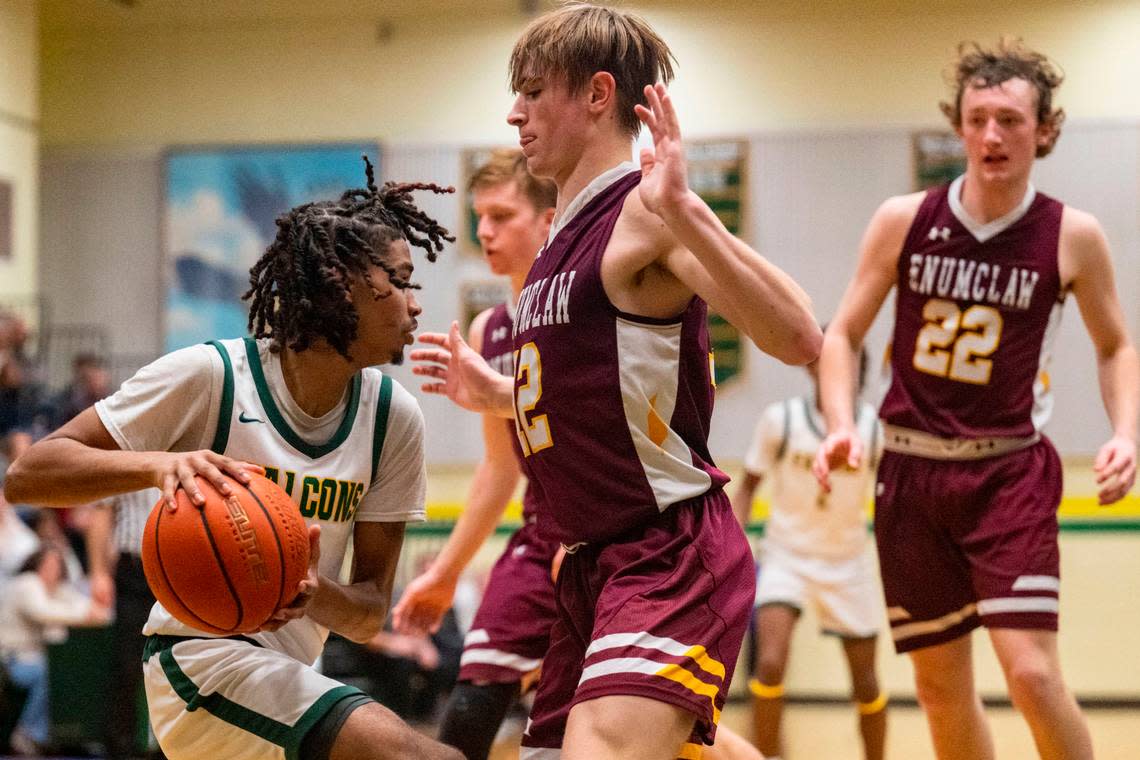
pixel 226 567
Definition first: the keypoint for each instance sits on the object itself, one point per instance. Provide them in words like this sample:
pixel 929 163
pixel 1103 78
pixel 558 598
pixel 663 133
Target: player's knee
pixel 608 729
pixel 770 667
pixel 1031 681
pixel 865 687
pixel 473 716
pixel 937 693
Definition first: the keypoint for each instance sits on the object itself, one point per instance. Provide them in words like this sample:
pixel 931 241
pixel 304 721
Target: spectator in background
pixel 21 398
pixel 114 541
pixel 35 607
pixel 17 540
pixel 90 382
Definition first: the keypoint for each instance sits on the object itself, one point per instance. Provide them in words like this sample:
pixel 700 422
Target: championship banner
pixel 219 217
pixel 718 173
pixel 938 158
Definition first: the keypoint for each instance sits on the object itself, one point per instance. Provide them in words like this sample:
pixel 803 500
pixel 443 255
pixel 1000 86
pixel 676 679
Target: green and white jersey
pixel 363 461
pixel 803 519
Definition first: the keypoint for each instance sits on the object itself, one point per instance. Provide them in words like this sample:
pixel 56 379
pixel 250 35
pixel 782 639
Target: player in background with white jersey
pixel 303 402
pixel 814 552
pixel 965 511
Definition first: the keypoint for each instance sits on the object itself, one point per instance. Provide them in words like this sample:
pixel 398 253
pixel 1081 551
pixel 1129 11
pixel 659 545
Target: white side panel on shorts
pixel 649 360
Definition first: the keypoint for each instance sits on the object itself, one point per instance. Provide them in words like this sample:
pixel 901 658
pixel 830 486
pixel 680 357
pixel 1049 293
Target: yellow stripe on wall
pixel 1078 507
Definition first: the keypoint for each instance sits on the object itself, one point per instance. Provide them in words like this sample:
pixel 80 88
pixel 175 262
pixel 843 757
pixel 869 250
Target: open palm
pixel 664 176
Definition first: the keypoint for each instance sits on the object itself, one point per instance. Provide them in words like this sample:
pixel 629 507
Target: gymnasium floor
pixel 829 733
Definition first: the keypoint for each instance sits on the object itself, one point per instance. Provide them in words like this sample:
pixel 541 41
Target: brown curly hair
pixel 300 286
pixel 979 67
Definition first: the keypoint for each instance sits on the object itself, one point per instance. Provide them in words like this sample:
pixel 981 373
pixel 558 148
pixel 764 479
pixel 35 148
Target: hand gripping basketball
pixel 230 565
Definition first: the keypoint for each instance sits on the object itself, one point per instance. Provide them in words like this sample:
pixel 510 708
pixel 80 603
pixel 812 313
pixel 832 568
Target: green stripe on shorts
pixel 315 713
pixel 217 705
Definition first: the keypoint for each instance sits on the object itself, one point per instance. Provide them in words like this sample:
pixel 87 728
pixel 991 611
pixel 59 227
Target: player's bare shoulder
pixel 633 269
pixel 1082 245
pixel 640 236
pixel 886 232
pixel 478 327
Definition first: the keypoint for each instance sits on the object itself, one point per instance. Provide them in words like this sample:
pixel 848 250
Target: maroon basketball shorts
pixel 968 543
pixel 511 630
pixel 660 614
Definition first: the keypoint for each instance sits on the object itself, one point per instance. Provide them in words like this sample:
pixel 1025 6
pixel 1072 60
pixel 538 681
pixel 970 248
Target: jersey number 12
pixel 534 432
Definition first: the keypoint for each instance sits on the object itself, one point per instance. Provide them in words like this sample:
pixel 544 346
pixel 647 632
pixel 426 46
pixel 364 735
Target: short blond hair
pixel 509 165
pixel 579 40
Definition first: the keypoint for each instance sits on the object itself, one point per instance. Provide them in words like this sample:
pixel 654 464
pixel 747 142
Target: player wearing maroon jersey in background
pixel 613 395
pixel 968 489
pixel 510 633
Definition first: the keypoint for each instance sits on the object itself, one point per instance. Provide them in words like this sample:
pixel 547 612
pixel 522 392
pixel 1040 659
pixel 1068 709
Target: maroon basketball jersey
pixel 612 409
pixel 498 350
pixel 978 308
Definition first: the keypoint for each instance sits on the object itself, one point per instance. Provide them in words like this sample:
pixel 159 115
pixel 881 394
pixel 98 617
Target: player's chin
pixel 397 357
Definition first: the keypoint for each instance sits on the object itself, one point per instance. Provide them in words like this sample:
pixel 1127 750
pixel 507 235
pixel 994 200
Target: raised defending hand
pixel 423 604
pixel 843 448
pixel 463 375
pixel 175 470
pixel 664 176
pixel 1115 469
pixel 305 589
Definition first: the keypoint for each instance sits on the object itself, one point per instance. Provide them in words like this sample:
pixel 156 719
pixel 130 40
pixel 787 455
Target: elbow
pixel 16 489
pixel 366 627
pixel 803 346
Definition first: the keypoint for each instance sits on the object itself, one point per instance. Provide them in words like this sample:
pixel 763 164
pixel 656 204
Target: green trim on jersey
pixel 787 431
pixel 316 712
pixel 297 442
pixel 811 421
pixel 231 712
pixel 226 408
pixel 380 429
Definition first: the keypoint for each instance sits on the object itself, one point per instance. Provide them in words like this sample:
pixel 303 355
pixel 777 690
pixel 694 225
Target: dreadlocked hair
pixel 299 289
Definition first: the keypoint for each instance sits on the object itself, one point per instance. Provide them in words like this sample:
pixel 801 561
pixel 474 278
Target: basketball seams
pixel 222 567
pixel 166 578
pixel 277 539
pixel 231 531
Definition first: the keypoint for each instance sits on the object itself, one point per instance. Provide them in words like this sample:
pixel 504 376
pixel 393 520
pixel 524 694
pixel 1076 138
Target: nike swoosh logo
pixel 243 418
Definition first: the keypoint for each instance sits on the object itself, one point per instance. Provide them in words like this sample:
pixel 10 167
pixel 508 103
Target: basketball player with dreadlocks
pixel 612 396
pixel 331 297
pixel 966 503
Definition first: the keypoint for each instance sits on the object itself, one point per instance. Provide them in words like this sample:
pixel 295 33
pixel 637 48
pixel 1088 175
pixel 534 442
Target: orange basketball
pixel 227 567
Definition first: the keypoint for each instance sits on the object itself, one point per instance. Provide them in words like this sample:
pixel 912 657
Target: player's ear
pixel 602 90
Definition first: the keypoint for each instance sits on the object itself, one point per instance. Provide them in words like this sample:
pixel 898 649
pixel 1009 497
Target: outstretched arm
pixel 839 362
pixel 746 288
pixel 462 374
pixel 427 598
pixel 1085 252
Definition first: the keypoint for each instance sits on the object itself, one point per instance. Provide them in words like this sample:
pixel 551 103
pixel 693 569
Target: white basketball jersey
pixel 326 481
pixel 803 518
